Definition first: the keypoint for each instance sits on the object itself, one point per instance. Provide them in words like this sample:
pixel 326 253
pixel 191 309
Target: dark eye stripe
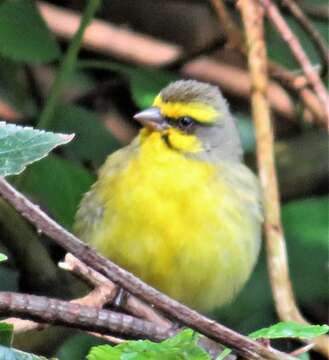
pixel 189 128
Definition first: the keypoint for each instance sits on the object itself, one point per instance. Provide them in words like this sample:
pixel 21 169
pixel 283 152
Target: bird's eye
pixel 185 122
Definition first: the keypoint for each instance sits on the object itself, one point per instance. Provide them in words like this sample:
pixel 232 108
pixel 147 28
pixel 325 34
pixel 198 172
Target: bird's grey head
pixel 194 108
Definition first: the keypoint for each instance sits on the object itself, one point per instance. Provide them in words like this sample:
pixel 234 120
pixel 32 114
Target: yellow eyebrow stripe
pixel 200 112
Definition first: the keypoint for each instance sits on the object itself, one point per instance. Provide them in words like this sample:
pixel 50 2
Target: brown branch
pixel 232 31
pixel 290 80
pixel 131 304
pixel 243 345
pixel 320 12
pixel 252 16
pixel 110 39
pixel 97 298
pixel 158 54
pixel 316 37
pixel 299 84
pixel 22 325
pixel 302 350
pixel 290 38
pixel 85 317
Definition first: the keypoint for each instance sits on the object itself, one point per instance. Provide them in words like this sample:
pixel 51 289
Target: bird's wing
pixel 91 208
pixel 246 185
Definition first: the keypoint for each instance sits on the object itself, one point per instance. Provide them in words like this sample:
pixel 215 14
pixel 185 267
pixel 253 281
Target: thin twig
pixel 316 37
pixel 290 38
pixel 320 12
pixel 252 16
pixel 232 31
pixel 97 298
pixel 85 317
pixel 131 304
pixel 23 325
pixel 243 345
pixel 296 83
pixel 302 350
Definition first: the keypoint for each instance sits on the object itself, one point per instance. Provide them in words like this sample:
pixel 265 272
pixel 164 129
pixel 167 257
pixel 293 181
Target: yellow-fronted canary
pixel 177 207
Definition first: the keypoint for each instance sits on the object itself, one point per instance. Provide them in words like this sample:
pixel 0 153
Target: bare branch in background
pixel 294 82
pixel 317 11
pixel 252 16
pixel 234 35
pixel 159 53
pixel 306 24
pixel 290 38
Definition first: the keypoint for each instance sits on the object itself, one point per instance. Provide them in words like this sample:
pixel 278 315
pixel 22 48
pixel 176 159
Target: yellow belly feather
pixel 178 224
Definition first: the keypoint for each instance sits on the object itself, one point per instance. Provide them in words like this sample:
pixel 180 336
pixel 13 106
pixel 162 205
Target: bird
pixel 177 207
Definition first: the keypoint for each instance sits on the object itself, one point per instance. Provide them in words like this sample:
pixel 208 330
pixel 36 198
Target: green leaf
pixel 24 35
pixel 145 83
pixel 182 346
pixel 290 330
pixel 3 257
pixel 7 353
pixel 20 146
pixel 224 353
pixel 6 334
pixel 57 185
pixel 88 128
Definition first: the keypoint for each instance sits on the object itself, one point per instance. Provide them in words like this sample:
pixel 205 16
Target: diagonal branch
pixel 243 345
pixel 131 304
pixel 306 24
pixel 296 83
pixel 290 38
pixel 252 16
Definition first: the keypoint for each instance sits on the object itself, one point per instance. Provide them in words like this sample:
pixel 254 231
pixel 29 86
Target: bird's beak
pixel 151 118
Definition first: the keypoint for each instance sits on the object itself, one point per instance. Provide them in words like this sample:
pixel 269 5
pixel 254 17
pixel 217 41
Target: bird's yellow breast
pixel 177 223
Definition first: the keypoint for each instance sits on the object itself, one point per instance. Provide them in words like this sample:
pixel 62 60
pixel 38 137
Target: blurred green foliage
pixel 46 179
pixel 290 330
pixel 24 35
